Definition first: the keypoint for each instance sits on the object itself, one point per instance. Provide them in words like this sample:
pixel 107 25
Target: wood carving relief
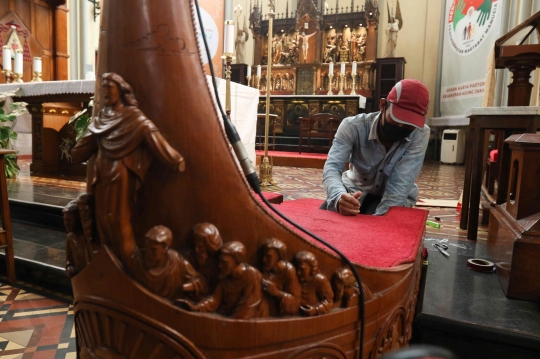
pixel 122 143
pixel 392 336
pixel 213 276
pixel 125 334
pixel 165 264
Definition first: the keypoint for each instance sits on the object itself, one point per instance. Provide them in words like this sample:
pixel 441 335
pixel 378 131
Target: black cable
pixel 253 180
pixel 230 130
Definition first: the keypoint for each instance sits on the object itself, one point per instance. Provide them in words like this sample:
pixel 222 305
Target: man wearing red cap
pixel 385 151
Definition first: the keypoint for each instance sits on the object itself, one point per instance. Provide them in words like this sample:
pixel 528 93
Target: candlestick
pixel 37 70
pixel 18 68
pixel 330 77
pixel 341 78
pixel 229 38
pixel 248 81
pixel 342 68
pixel 353 91
pixel 6 58
pixel 258 82
pixel 37 64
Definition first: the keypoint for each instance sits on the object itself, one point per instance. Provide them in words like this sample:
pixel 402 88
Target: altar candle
pixel 37 64
pixel 249 71
pixel 258 71
pixel 354 67
pixel 229 37
pixel 343 68
pixel 18 62
pixel 6 58
pixel 331 68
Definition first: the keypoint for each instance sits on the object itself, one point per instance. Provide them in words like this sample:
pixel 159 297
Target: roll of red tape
pixel 481 265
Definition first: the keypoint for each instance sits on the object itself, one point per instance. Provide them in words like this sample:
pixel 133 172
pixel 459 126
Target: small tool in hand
pixel 442 248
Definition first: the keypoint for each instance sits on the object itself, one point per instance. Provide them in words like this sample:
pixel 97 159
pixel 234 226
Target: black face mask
pixel 394 133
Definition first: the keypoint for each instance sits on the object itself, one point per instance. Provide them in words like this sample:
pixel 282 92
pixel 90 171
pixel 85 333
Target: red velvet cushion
pixel 377 241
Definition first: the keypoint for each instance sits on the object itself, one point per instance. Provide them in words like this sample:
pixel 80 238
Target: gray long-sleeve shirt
pixel 390 174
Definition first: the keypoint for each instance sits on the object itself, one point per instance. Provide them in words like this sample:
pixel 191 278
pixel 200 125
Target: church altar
pixel 52 103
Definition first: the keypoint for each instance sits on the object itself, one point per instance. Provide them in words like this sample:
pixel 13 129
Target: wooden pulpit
pixel 514 226
pixel 521 59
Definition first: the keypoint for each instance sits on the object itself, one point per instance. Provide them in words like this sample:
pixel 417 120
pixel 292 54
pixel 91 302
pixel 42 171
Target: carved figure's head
pixel 362 34
pixel 115 88
pixel 273 250
pixel 158 241
pixel 71 216
pixel 231 255
pixel 342 279
pixel 85 202
pixel 207 241
pixel 306 265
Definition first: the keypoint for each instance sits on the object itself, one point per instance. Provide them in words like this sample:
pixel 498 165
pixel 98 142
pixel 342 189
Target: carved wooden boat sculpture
pixel 182 261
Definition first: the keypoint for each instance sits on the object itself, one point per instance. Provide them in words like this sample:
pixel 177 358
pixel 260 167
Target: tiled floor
pixel 33 326
pixel 39 325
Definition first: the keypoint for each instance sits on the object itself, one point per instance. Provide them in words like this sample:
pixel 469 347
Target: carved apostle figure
pixel 204 256
pixel 361 44
pixel 163 270
pixel 316 295
pixel 280 283
pixel 85 204
pixel 124 141
pixel 76 250
pixel 238 294
pixel 345 288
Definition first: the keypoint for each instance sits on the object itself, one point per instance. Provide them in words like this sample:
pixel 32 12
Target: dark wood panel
pixel 46 64
pixel 4 7
pixel 23 10
pixel 43 31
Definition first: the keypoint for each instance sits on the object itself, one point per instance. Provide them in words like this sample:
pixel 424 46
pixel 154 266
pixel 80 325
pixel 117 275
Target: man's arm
pixel 405 173
pixel 338 156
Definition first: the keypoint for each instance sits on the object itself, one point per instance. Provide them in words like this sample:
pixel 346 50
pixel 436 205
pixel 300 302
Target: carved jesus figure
pixel 305 44
pixel 317 295
pixel 124 142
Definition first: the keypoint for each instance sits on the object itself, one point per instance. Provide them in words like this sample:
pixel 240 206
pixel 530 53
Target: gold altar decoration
pixel 344 35
pixel 266 166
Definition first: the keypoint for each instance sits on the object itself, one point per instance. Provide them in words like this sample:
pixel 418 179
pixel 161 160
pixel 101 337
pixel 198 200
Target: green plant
pixel 81 120
pixel 8 120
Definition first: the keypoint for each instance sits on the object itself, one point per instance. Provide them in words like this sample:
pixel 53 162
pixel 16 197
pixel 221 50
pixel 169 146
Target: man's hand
pixel 270 288
pixel 348 204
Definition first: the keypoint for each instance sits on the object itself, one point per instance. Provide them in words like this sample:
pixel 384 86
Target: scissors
pixel 442 248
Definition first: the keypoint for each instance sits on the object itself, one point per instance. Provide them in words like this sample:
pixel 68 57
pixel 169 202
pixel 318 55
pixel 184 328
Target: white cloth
pixel 244 103
pixel 50 87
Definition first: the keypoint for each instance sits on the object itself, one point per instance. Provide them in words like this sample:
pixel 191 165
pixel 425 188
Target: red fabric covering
pixel 493 155
pixel 376 241
pixel 271 195
pixel 292 154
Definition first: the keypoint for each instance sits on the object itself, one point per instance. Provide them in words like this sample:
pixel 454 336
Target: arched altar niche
pixel 344 34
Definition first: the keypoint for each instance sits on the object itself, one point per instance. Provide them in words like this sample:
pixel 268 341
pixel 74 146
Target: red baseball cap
pixel 409 102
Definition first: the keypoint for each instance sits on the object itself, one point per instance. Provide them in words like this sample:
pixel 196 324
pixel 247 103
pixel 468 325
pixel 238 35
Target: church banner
pixel 213 18
pixel 471 29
